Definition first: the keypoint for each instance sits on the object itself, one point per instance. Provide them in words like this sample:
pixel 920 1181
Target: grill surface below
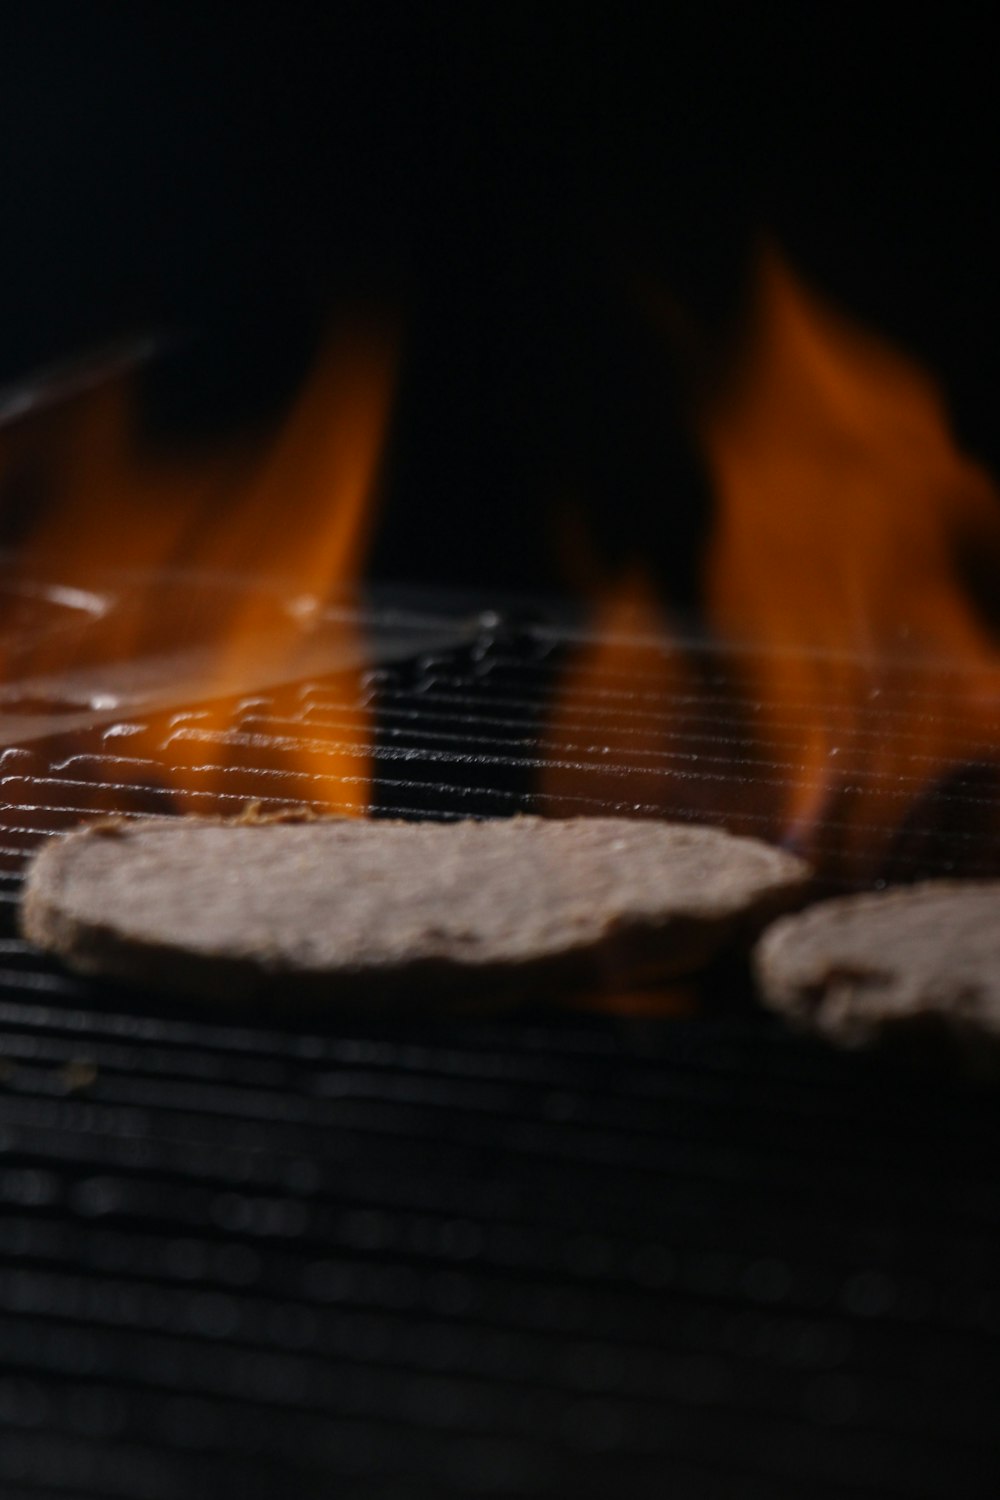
pixel 545 1255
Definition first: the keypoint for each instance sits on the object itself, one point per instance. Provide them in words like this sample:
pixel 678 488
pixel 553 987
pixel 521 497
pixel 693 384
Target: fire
pixel 623 718
pixel 620 704
pixel 847 692
pixel 844 507
pixel 293 514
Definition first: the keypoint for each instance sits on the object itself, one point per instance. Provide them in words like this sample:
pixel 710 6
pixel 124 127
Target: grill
pixel 554 1253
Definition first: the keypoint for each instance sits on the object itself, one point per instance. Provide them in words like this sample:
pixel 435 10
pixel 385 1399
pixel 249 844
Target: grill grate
pixel 541 1255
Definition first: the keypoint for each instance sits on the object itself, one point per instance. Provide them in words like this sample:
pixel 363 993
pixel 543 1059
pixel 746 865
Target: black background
pixel 545 192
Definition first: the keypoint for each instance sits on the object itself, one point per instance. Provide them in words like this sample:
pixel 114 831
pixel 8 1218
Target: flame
pixel 619 728
pixel 294 514
pixel 843 509
pixel 849 693
pixel 619 705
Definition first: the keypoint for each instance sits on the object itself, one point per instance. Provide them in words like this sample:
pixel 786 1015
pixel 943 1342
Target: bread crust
pixel 375 913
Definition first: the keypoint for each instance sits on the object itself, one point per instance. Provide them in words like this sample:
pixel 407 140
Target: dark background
pixel 542 191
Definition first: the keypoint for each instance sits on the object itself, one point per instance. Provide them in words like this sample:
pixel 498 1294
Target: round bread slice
pixel 372 911
pixel 918 959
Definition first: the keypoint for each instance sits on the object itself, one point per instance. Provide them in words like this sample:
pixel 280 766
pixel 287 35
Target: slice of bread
pixel 378 911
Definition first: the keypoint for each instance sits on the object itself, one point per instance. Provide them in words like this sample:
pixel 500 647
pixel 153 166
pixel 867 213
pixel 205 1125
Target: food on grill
pixel 923 958
pixel 376 910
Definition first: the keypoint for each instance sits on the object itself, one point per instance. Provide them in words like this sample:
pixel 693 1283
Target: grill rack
pixel 547 1254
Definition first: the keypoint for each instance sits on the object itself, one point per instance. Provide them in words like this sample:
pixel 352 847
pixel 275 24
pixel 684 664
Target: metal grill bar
pixel 545 1254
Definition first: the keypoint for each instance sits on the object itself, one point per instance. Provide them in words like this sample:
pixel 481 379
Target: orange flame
pixel 851 688
pixel 294 514
pixel 618 705
pixel 612 739
pixel 843 508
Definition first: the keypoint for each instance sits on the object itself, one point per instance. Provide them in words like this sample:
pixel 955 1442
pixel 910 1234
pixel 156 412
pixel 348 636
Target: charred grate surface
pixel 543 1255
